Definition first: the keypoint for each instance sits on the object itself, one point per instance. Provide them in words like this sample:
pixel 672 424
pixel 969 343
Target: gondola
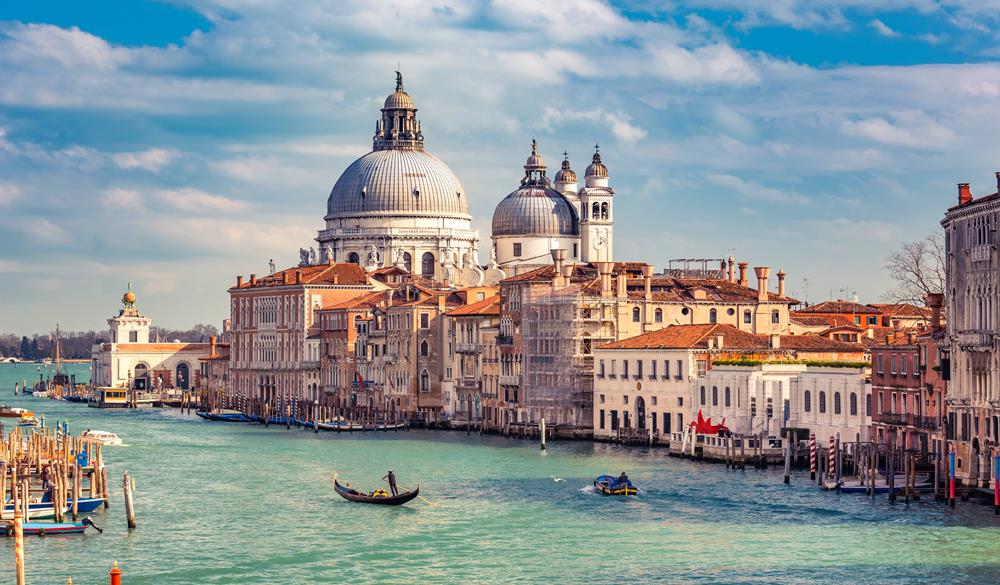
pixel 386 500
pixel 608 485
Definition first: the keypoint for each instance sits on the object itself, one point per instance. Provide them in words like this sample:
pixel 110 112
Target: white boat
pixel 102 437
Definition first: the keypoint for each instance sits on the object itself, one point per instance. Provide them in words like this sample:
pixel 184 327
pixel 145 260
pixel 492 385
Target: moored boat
pixel 610 485
pixel 225 416
pixel 13 412
pixel 51 528
pixel 379 497
pixel 102 437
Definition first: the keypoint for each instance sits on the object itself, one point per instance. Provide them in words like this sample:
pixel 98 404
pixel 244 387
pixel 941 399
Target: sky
pixel 179 144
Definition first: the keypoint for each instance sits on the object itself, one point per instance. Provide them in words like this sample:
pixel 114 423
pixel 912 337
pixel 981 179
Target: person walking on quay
pixel 391 478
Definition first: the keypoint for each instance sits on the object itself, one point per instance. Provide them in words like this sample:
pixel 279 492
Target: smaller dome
pixel 535 161
pixel 399 100
pixel 597 168
pixel 566 174
pixel 535 211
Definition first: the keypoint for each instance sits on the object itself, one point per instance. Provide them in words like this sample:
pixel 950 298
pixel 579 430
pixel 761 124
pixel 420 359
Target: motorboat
pixel 102 437
pixel 610 485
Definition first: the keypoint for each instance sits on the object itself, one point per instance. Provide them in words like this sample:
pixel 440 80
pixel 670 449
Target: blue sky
pixel 178 144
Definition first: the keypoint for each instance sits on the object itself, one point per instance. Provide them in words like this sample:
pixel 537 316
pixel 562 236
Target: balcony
pixel 975 340
pixel 510 380
pixel 894 419
pixel 505 340
pixel 469 347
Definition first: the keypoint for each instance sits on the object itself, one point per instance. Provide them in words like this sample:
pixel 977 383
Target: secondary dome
pixel 566 174
pixel 398 183
pixel 535 209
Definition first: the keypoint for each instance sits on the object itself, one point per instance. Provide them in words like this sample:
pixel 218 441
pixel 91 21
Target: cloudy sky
pixel 178 144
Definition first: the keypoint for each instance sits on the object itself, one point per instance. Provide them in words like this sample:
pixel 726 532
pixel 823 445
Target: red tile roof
pixel 840 307
pixel 903 310
pixel 367 301
pixel 486 307
pixel 344 273
pixel 697 336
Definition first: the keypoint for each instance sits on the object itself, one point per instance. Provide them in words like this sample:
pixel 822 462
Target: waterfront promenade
pixel 241 504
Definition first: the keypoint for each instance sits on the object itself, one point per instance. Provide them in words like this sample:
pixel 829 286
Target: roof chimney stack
pixel 743 273
pixel 781 283
pixel 647 277
pixel 211 343
pixel 239 281
pixel 253 279
pixel 964 193
pixel 604 269
pixel 298 277
pixel 935 301
pixel 762 273
pixel 732 269
pixel 775 341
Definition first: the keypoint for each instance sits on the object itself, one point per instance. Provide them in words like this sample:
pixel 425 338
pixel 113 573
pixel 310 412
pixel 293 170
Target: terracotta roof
pixel 697 336
pixel 486 307
pixel 809 321
pixel 366 301
pixel 344 273
pixel 841 307
pixel 903 310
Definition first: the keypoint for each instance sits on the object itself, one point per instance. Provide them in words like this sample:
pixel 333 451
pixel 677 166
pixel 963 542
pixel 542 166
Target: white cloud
pixel 69 47
pixel 756 191
pixel 617 123
pixel 152 159
pixel 191 199
pixel 716 63
pixel 9 193
pixel 909 129
pixel 882 28
pixel 120 199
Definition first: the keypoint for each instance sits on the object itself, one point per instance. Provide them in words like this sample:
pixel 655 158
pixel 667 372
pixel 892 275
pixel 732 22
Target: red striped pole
pixel 812 455
pixel 18 546
pixel 831 468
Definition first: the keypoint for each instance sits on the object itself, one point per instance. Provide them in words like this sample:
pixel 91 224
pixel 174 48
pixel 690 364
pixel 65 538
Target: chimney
pixel 622 283
pixel 567 272
pixel 935 302
pixel 329 259
pixel 604 269
pixel 732 269
pixel 743 273
pixel 388 296
pixel 998 181
pixel 211 343
pixel 710 343
pixel 239 281
pixel 253 279
pixel 775 341
pixel 964 193
pixel 781 283
pixel 647 277
pixel 558 257
pixel 284 277
pixel 298 277
pixel 719 341
pixel 912 338
pixel 762 273
pixel 442 305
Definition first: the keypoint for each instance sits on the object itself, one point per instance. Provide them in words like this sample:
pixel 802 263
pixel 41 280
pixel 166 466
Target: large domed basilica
pixel 399 204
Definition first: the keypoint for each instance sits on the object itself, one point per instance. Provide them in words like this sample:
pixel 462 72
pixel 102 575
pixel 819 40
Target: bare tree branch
pixel 918 268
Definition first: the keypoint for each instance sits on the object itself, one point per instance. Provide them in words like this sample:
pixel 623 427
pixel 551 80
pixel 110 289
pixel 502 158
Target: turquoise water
pixel 241 504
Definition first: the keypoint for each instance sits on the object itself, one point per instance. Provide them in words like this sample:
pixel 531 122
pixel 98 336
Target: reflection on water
pixel 240 504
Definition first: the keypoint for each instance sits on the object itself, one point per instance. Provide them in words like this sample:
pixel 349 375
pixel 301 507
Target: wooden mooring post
pixel 128 486
pixel 788 456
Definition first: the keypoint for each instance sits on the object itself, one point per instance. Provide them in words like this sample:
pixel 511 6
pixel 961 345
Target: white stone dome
pixel 535 210
pixel 395 183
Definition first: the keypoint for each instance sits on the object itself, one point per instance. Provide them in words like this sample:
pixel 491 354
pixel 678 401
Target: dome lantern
pixel 399 128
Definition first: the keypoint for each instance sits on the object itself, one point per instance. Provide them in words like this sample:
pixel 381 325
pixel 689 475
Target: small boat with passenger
pixel 380 496
pixel 610 485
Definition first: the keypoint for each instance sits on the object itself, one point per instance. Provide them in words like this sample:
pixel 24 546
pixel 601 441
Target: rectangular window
pixel 747 317
pixel 614 369
pixel 614 420
pixel 133 337
pixel 638 369
pixel 517 249
pixel 424 320
pixel 868 405
pixel 666 369
pixel 600 371
pixel 624 368
pixel 576 250
pixel 602 418
pixel 666 422
pixel 680 421
pixel 625 399
pixel 902 363
pixel 892 364
pixel 680 370
pixel 857 319
pixel 881 397
pixel 602 398
pixel 652 373
pixel 881 363
pixel 872 320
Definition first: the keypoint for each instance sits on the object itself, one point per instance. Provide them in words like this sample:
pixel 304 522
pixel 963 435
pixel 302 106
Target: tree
pixel 918 268
pixel 25 348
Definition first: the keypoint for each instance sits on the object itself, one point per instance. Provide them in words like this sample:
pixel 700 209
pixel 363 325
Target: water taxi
pixel 13 412
pixel 109 398
pixel 102 437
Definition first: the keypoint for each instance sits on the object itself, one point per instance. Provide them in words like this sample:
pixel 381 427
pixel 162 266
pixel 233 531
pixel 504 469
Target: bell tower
pixel 596 213
pixel 129 326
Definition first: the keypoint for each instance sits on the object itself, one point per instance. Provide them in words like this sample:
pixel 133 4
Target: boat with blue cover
pixel 610 485
pixel 52 528
pixel 46 509
pixel 225 416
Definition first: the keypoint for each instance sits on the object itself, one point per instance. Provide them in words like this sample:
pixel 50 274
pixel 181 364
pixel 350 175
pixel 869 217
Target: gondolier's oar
pixel 428 502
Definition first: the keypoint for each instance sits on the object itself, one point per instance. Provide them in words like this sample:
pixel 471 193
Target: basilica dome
pixel 398 182
pixel 535 209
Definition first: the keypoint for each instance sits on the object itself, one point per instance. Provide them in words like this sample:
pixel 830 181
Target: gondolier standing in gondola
pixel 391 478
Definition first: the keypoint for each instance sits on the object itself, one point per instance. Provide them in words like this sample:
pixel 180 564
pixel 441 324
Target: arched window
pixel 854 404
pixel 407 262
pixel 713 316
pixel 703 396
pixel 353 258
pixel 605 212
pixel 727 397
pixel 425 382
pixel 807 401
pixel 427 264
pixel 596 211
pixel 836 403
pixel 424 350
pixel 658 316
pixel 822 402
pixel 747 317
pixel 635 314
pixel 715 395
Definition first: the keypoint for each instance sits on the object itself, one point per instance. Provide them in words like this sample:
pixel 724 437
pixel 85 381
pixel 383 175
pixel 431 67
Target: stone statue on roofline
pixel 374 262
pixel 327 252
pixel 303 257
pixel 270 266
pixel 312 255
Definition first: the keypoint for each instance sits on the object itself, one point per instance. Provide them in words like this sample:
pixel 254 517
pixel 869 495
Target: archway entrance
pixel 640 413
pixel 183 376
pixel 140 379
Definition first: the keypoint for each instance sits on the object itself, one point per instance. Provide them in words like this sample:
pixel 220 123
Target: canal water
pixel 241 504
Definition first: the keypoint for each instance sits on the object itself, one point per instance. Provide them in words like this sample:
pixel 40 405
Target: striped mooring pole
pixel 831 468
pixel 18 547
pixel 996 484
pixel 812 456
pixel 951 476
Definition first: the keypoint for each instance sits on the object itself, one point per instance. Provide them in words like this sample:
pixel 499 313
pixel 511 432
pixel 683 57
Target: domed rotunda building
pixel 540 216
pixel 399 204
